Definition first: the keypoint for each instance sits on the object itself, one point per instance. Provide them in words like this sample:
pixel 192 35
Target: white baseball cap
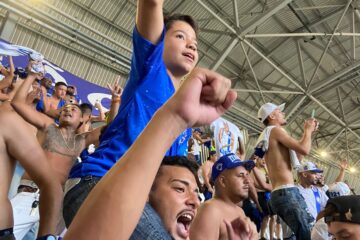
pixel 339 189
pixel 266 109
pixel 309 166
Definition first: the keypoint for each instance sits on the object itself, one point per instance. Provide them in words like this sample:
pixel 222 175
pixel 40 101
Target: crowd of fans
pixel 143 173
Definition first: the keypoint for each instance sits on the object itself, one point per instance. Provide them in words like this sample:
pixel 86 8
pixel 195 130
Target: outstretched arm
pixel 150 19
pixel 121 194
pixel 116 92
pixel 8 74
pixel 101 117
pixel 303 146
pixel 343 165
pixel 241 148
pixel 32 116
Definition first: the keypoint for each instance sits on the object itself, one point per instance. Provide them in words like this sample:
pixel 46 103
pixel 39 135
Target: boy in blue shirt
pixel 164 53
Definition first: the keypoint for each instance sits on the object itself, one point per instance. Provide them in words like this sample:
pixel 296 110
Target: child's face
pixel 180 49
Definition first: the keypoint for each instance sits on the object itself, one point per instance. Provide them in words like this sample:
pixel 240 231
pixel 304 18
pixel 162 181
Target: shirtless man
pixel 286 200
pixel 60 143
pixel 206 171
pixel 231 177
pixel 263 188
pixel 18 142
pixel 52 105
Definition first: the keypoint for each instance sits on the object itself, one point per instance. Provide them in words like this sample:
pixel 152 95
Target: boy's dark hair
pixel 86 107
pixel 170 19
pixel 60 84
pixel 181 161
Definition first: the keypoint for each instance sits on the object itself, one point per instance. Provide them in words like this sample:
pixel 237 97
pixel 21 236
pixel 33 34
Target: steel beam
pixel 236 13
pixel 334 77
pixel 334 139
pixel 353 38
pixel 327 110
pixel 221 59
pixel 296 107
pixel 273 65
pixel 329 42
pixel 268 91
pixel 301 29
pixel 301 62
pixel 253 72
pixel 295 34
pixel 341 104
pixel 246 29
pixel 8 26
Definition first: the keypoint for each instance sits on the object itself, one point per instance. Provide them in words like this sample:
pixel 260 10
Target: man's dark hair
pixel 211 153
pixel 86 107
pixel 60 84
pixel 170 19
pixel 181 161
pixel 266 122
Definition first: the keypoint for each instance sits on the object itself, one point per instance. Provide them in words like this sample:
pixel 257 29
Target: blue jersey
pixel 148 88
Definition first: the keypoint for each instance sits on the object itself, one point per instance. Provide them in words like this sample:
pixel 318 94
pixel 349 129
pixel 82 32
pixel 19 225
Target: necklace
pixel 66 142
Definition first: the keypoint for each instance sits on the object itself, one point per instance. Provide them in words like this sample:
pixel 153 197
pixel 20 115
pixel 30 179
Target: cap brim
pixel 312 170
pixel 281 107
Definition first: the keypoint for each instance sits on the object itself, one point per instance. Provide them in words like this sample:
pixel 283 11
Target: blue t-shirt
pixel 148 88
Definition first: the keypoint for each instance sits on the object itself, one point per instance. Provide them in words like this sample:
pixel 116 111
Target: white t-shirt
pixel 309 196
pixel 195 148
pixel 226 136
pixel 320 231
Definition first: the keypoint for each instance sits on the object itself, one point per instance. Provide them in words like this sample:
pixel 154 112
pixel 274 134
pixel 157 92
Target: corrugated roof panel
pixel 70 8
pixel 100 74
pixel 126 17
pixel 222 42
pixel 170 5
pixel 76 64
pixel 249 10
pixel 24 37
pixel 53 52
pixel 86 3
pixel 108 9
pixel 288 19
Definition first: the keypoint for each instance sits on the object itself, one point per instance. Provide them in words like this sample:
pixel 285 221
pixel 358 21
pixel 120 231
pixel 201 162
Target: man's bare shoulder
pixel 211 205
pixel 214 207
pixel 8 115
pixel 277 132
pixel 210 209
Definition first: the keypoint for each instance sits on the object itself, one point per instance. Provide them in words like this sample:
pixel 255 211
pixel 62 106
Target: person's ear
pixel 272 116
pixel 222 181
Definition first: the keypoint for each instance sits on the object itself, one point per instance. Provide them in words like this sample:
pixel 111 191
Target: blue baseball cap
pixel 198 130
pixel 229 161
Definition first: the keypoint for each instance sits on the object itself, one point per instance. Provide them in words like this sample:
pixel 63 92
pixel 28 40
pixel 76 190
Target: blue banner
pixel 88 92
